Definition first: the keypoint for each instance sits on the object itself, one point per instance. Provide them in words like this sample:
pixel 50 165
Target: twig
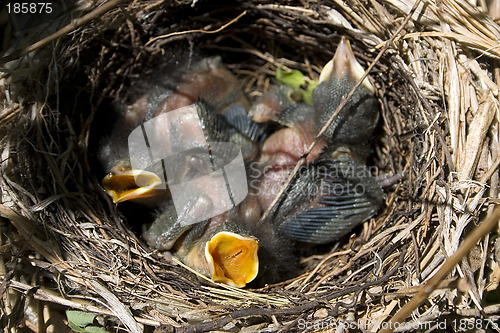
pixel 318 266
pixel 51 297
pixel 178 33
pixel 487 47
pixel 478 233
pixel 342 104
pixel 117 307
pixel 253 312
pixel 490 171
pixel 63 31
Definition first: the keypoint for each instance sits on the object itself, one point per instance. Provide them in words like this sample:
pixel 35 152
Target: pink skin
pixel 137 112
pixel 175 132
pixel 267 109
pixel 180 131
pixel 280 154
pixel 250 210
pixel 214 85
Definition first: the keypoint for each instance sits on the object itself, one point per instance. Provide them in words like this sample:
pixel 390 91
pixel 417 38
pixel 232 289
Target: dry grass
pixel 64 244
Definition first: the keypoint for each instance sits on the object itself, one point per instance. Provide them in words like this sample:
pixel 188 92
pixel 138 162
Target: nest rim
pixel 135 264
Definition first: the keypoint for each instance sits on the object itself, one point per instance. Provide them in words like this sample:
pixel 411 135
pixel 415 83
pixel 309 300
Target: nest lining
pixel 439 125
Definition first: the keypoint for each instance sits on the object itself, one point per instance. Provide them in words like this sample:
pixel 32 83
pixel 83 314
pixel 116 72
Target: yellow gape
pixel 130 184
pixel 232 258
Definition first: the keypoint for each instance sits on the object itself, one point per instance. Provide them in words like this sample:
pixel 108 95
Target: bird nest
pixel 65 245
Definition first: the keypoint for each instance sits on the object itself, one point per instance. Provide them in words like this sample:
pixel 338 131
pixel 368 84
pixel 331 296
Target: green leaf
pixel 79 320
pixel 95 329
pixel 76 328
pixel 312 85
pixel 293 78
pixel 307 94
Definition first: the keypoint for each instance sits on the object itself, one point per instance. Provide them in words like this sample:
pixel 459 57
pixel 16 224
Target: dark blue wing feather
pixel 345 195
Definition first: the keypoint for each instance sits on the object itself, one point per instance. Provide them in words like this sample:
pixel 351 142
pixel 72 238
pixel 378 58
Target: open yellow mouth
pixel 233 258
pixel 130 185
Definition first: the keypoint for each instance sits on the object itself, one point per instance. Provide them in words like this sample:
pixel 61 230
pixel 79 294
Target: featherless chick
pixel 206 80
pixel 227 247
pixel 331 194
pixel 334 191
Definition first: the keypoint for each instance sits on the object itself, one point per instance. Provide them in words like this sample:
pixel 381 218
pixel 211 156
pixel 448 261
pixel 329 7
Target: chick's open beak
pixel 344 63
pixel 130 184
pixel 232 258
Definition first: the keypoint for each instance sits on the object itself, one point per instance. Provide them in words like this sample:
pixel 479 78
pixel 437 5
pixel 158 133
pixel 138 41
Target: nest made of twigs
pixel 64 244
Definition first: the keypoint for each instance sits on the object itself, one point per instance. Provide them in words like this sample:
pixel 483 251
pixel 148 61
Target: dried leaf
pixel 478 129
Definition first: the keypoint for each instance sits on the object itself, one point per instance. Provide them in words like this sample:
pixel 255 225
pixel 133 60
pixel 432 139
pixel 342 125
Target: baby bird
pixel 218 248
pixel 206 80
pixel 328 199
pixel 220 245
pixel 231 248
pixel 353 127
pixel 226 247
pixel 334 191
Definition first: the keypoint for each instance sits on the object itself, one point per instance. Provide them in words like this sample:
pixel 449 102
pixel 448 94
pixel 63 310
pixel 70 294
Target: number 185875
pixel 29 8
pixel 473 323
